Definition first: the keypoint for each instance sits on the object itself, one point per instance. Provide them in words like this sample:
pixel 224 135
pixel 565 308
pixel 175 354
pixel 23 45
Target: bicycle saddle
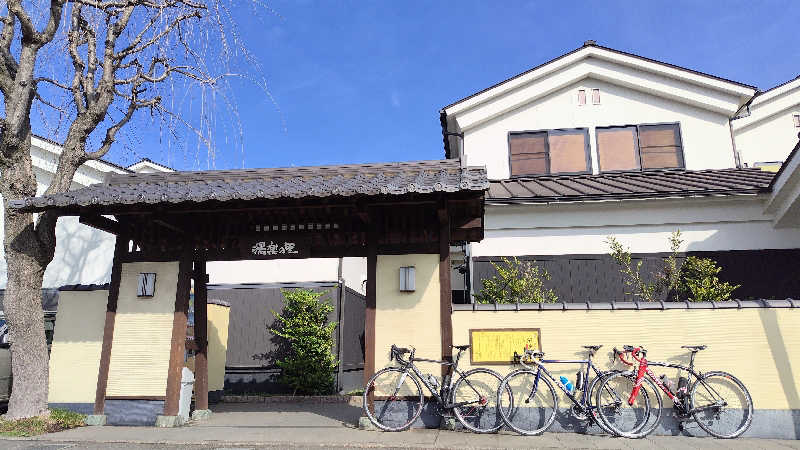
pixel 593 348
pixel 694 348
pixel 461 347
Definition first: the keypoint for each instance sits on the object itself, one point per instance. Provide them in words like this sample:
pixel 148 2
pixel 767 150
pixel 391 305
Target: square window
pixel 660 146
pixel 638 147
pixel 147 285
pixel 617 148
pixel 595 96
pixel 581 97
pixel 549 152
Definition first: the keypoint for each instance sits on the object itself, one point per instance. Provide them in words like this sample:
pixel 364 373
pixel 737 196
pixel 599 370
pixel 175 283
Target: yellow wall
pixel 218 319
pixel 757 345
pixel 407 318
pixel 143 332
pixel 77 343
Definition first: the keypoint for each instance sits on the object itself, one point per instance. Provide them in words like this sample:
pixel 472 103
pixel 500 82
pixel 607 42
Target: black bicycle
pixel 533 403
pixel 393 397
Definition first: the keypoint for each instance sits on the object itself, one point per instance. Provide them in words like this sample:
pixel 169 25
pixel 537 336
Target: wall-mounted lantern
pixel 407 281
pixel 147 285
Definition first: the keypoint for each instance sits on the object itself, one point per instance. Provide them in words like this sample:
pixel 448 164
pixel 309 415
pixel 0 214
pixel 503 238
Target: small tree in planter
pixel 516 281
pixel 307 362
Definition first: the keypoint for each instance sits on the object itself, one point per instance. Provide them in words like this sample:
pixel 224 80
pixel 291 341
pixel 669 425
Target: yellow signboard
pixel 497 346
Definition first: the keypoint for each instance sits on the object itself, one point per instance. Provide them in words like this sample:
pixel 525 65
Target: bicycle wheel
pixel 531 407
pixel 592 394
pixel 475 395
pixel 397 399
pixel 621 417
pixel 721 405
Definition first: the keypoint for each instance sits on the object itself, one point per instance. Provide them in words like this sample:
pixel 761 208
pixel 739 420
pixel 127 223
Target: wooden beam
pixel 101 223
pixel 178 346
pixel 169 226
pixel 369 314
pixel 445 289
pixel 120 248
pixel 201 333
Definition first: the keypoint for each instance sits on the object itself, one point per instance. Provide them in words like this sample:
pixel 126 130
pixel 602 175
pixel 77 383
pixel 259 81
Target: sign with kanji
pixel 276 247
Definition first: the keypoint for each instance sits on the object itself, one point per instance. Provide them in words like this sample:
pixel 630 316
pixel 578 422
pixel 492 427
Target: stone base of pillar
pixel 169 421
pixel 201 414
pixel 96 420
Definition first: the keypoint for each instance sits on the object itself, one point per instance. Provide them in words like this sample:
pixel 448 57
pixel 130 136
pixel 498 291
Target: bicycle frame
pixel 680 404
pixel 444 395
pixel 584 401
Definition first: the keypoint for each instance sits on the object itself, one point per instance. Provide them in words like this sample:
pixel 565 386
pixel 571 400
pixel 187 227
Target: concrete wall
pixel 77 343
pixel 706 135
pixel 756 345
pixel 724 223
pixel 408 318
pixel 143 333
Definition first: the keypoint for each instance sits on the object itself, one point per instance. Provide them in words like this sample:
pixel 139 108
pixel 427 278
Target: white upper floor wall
pixel 83 254
pixel 770 130
pixel 632 91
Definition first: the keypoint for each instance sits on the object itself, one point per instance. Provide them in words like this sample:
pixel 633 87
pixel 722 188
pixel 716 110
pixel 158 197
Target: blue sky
pixel 364 81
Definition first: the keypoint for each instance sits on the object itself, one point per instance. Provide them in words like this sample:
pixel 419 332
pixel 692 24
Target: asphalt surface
pixel 331 426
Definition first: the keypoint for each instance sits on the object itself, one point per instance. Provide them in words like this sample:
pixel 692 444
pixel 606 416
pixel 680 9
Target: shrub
pixel 516 281
pixel 666 279
pixel 307 362
pixel 699 281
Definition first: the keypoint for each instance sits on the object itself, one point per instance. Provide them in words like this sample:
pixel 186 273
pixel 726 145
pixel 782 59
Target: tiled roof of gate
pixel 257 184
pixel 630 185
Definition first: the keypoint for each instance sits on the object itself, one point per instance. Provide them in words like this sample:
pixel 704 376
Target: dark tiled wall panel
pixel 596 278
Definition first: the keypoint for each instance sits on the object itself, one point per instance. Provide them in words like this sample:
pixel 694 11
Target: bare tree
pixel 90 66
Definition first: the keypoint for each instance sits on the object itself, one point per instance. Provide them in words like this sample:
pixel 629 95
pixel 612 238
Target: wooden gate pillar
pixel 445 288
pixel 120 248
pixel 369 314
pixel 179 321
pixel 201 334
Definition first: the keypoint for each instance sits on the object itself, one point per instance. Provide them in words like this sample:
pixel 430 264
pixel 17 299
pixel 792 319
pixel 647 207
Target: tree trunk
pixel 23 308
pixel 27 256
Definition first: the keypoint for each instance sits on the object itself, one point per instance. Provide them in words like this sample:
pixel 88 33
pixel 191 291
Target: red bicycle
pixel 717 401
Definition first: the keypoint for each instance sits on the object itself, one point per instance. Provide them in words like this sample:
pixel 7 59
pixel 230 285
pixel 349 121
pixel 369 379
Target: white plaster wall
pixel 706 134
pixel 770 139
pixel 83 254
pixel 644 226
pixel 354 271
pixel 768 132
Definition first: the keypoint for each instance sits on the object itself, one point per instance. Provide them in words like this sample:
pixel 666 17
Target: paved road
pixel 330 426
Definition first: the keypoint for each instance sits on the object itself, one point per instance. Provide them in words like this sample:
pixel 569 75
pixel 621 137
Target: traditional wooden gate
pixel 305 212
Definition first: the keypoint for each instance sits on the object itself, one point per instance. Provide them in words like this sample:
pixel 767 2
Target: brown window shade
pixel 528 153
pixel 660 146
pixel 616 148
pixel 568 152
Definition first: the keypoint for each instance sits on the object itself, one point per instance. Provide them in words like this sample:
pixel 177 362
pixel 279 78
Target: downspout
pixel 342 288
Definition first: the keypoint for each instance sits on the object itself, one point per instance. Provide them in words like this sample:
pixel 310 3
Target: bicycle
pixel 393 398
pixel 532 408
pixel 716 400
